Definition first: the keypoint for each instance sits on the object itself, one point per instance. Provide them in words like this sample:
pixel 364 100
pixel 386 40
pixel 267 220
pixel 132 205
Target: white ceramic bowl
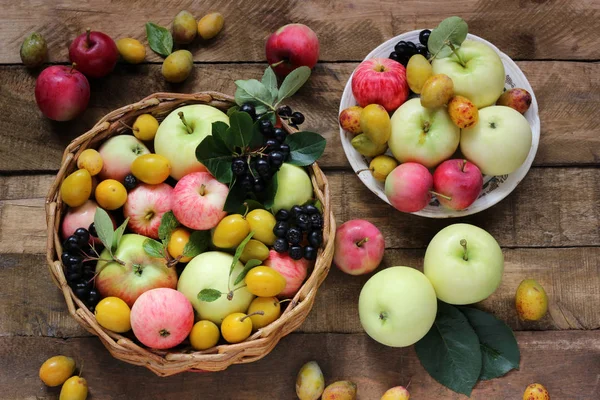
pixel 495 188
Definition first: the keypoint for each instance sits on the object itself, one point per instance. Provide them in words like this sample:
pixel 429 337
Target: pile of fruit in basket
pixel 459 101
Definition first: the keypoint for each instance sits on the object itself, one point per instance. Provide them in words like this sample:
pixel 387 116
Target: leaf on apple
pixel 252 263
pixel 153 248
pixel 119 234
pixel 269 80
pixel 293 82
pixel 450 32
pixel 216 158
pixel 305 147
pixel 168 223
pixel 209 295
pixel 239 250
pixel 254 92
pixel 499 347
pixel 159 39
pixel 197 244
pixel 450 351
pixel 104 228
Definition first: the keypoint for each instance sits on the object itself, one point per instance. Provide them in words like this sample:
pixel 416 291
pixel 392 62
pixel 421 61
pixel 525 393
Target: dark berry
pixel 422 50
pixel 82 290
pixel 394 56
pixel 294 236
pixel 315 238
pixel 83 235
pixel 89 275
pixel 412 48
pixel 310 253
pixel 247 183
pixel 295 252
pixel 239 167
pixel 94 297
pixel 310 209
pixel 71 244
pixel 424 36
pixel 249 108
pixel 303 222
pixel 276 158
pixel 280 229
pixel 280 245
pixel 70 260
pixel 92 309
pixel 272 144
pixel 74 262
pixel 130 182
pixel 74 276
pixel 259 185
pixel 279 134
pixel 262 166
pixel 284 111
pixel 92 230
pixel 297 118
pixel 401 49
pixel 266 127
pixel 282 215
pixel 296 210
pixel 316 221
pixel 284 149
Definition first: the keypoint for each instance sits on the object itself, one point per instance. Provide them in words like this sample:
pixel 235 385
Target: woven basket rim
pixel 170 362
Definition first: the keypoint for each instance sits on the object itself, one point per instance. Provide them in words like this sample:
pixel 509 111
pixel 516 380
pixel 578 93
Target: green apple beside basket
pixel 182 358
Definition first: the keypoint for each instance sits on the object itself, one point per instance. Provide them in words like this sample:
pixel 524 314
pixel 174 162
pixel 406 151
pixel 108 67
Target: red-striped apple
pixel 359 247
pixel 294 271
pixel 380 81
pixel 145 207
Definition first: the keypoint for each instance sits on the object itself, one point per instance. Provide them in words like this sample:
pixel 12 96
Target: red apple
pixel 198 201
pixel 359 247
pixel 145 207
pixel 294 271
pixel 408 187
pixel 460 180
pixel 162 318
pixel 95 53
pixel 380 81
pixel 293 45
pixel 62 92
pixel 81 217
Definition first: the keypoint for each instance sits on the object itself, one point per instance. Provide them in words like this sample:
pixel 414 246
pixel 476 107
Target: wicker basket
pixel 165 363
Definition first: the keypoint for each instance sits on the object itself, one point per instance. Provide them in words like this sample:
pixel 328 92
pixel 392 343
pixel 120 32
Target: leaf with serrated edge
pixel 249 265
pixel 216 159
pixel 159 39
pixel 499 346
pixel 450 351
pixel 453 30
pixel 197 244
pixel 294 81
pixel 119 234
pixel 239 250
pixel 104 228
pixel 153 248
pixel 168 223
pixel 305 147
pixel 209 295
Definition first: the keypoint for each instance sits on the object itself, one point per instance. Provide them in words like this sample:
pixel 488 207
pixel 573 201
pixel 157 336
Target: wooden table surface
pixel 548 227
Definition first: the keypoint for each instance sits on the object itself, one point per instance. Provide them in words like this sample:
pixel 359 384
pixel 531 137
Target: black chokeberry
pixel 276 158
pixel 412 48
pixel 271 144
pixel 266 127
pixel 279 134
pixel 294 236
pixel 422 50
pixel 284 111
pixel 310 253
pixel 239 167
pixel 284 148
pixel 92 230
pixel 295 211
pixel 303 222
pixel 249 108
pixel 74 262
pixel 281 228
pixel 89 274
pixel 81 290
pixel 94 297
pixel 310 209
pixel 259 185
pixel 83 235
pixel 130 182
pixel 315 238
pixel 424 36
pixel 282 215
pixel 74 276
pixel 394 56
pixel 316 221
pixel 247 183
pixel 262 166
pixel 280 245
pixel 401 49
pixel 71 244
pixel 295 252
pixel 297 118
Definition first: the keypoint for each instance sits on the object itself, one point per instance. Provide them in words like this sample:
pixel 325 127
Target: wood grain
pixel 568 94
pixel 347 30
pixel 566 363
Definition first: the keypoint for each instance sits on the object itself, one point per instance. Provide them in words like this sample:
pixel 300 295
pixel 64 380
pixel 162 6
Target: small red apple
pixel 460 180
pixel 294 271
pixel 294 45
pixel 380 81
pixel 145 207
pixel 62 92
pixel 95 53
pixel 359 247
pixel 408 187
pixel 81 217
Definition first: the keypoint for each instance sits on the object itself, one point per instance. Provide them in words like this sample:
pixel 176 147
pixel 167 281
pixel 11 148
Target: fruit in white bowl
pixel 437 91
pixel 177 141
pixel 366 147
pixel 80 217
pixel 292 46
pixel 380 81
pixel 139 273
pixel 408 187
pixel 294 271
pixel 499 143
pixel 145 206
pixel 422 135
pixel 162 318
pixel 517 98
pixel 375 123
pixel 210 270
pixel 61 92
pixel 460 180
pixel 198 201
pixel 481 80
pixel 350 119
pixel 397 306
pixel 293 187
pixel 464 263
pixel 359 247
pixel 463 112
pixel 118 154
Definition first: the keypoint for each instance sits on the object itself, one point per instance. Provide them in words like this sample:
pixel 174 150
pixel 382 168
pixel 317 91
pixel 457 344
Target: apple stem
pixel 277 63
pixel 463 243
pixel 383 315
pixel 87 37
pixel 362 241
pixel 202 190
pixel 187 127
pixel 254 313
pixel 426 126
pixel 462 168
pixel 164 333
pixel 456 54
pixel 443 196
pixel 73 67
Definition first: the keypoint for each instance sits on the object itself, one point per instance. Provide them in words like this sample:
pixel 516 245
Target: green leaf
pixel 119 234
pixel 168 223
pixel 499 347
pixel 197 244
pixel 270 81
pixel 153 248
pixel 293 82
pixel 239 250
pixel 241 129
pixel 159 39
pixel 104 228
pixel 254 92
pixel 232 109
pixel 305 147
pixel 319 205
pixel 235 199
pixel 451 30
pixel 270 192
pixel 216 158
pixel 220 131
pixel 450 351
pixel 249 265
pixel 209 295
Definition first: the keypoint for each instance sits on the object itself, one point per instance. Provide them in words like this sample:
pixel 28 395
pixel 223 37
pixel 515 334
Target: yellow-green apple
pixel 464 264
pixel 210 270
pixel 162 318
pixel 133 272
pixel 408 187
pixel 293 187
pixel 94 53
pixel 397 306
pixel 177 138
pixel 118 154
pixel 396 393
pixel 380 81
pixel 423 135
pixel 145 207
pixel 359 247
pixel 293 46
pixel 294 271
pixel 62 93
pixel 460 181
pixel 81 217
pixel 499 143
pixel 198 201
pixel 478 75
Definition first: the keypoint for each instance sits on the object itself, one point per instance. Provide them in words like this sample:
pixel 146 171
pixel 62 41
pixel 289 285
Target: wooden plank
pixel 566 363
pixel 567 92
pixel 347 30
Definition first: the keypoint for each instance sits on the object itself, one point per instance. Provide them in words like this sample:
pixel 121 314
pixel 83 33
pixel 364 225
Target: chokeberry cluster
pixel 404 50
pixel 299 232
pixel 80 271
pixel 293 118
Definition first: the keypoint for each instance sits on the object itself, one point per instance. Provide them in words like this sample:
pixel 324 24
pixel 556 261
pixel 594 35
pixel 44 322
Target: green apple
pixel 499 143
pixel 481 79
pixel 422 135
pixel 293 187
pixel 464 264
pixel 397 306
pixel 210 270
pixel 177 141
